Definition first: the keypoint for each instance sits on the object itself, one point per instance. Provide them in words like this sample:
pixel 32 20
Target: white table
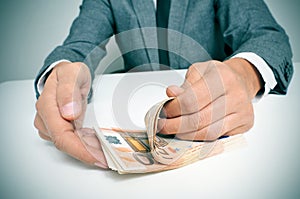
pixel 269 167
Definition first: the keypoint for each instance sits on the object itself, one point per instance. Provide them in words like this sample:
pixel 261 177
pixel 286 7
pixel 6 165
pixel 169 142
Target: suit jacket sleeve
pixel 88 36
pixel 248 26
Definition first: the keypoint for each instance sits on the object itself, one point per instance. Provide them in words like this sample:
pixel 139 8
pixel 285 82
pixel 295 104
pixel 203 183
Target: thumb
pixel 174 91
pixel 73 84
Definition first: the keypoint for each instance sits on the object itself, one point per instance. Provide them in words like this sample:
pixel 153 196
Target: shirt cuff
pixel 42 79
pixel 264 70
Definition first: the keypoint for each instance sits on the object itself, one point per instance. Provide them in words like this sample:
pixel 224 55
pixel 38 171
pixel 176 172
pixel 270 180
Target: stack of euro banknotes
pixel 129 151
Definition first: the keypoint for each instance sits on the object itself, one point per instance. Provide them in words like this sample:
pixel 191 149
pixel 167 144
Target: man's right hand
pixel 64 100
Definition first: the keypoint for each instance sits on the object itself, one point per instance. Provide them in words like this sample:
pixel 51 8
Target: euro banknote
pixel 129 151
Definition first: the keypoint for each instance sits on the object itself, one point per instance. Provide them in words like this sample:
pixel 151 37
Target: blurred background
pixel 31 29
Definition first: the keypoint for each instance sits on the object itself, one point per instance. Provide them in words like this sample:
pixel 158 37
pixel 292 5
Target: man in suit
pixel 250 54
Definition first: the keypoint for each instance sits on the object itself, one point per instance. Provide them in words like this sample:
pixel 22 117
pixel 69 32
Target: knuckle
pixel 38 104
pixel 80 65
pixel 215 62
pixel 36 123
pixel 217 129
pixel 193 67
pixel 212 135
pixel 43 136
pixel 193 122
pixel 205 118
pixel 77 64
pixel 215 66
pixel 188 103
pixel 58 142
pixel 42 102
pixel 192 71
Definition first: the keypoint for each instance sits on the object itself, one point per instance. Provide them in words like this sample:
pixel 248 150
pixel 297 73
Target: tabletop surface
pixel 268 167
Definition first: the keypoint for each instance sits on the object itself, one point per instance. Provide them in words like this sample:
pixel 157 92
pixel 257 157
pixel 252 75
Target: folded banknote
pixel 129 151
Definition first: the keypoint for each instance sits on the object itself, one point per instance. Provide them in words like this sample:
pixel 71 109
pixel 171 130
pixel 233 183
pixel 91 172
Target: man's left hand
pixel 215 100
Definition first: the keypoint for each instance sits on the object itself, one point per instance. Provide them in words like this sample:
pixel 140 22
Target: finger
pixel 70 143
pixel 39 125
pixel 197 96
pixel 174 91
pixel 73 83
pixel 196 72
pixel 44 136
pixel 238 130
pixel 186 84
pixel 77 123
pixel 192 75
pixel 64 138
pixel 60 130
pixel 48 110
pixel 185 103
pixel 92 145
pixel 216 130
pixel 196 121
pixel 62 134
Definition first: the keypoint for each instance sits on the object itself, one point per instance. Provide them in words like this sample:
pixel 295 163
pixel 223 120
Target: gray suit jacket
pixel 222 28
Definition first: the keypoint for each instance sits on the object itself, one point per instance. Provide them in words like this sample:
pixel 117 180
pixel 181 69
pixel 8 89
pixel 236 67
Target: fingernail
pixel 71 109
pixel 101 165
